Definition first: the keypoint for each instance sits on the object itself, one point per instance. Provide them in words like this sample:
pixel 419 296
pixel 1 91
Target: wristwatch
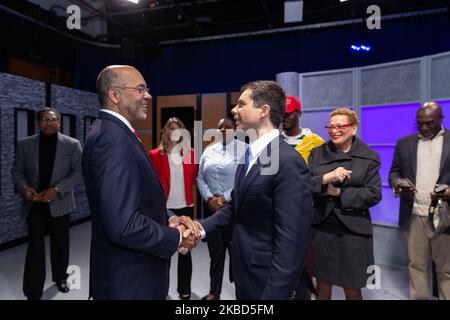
pixel 56 188
pixel 221 202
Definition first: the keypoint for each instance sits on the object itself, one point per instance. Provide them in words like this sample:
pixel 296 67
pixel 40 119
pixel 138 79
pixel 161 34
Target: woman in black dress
pixel 346 183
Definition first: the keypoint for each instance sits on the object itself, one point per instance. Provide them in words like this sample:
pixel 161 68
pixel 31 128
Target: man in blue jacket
pixel 271 207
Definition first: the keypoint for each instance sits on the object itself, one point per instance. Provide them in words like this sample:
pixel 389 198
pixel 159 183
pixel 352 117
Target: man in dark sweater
pixel 46 168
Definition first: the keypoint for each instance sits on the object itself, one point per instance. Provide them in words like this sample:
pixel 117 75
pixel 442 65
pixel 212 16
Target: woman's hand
pixel 333 191
pixel 338 175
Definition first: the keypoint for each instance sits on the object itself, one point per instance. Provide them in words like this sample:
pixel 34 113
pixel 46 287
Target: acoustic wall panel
pixel 440 77
pixel 325 90
pixel 390 83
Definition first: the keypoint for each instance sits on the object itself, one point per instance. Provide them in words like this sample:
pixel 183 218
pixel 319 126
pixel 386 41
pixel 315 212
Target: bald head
pixel 431 107
pixel 111 76
pixel 429 119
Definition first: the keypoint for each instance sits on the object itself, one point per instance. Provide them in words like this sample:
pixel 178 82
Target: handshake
pixel 190 231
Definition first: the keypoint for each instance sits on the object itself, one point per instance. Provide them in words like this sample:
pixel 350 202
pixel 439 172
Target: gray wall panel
pixel 327 90
pixel 390 84
pixel 440 77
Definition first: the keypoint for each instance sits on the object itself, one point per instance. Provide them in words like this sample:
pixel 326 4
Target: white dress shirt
pixel 120 117
pixel 177 193
pixel 259 145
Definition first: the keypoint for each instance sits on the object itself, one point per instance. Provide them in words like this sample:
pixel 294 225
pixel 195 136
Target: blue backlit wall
pixel 386 98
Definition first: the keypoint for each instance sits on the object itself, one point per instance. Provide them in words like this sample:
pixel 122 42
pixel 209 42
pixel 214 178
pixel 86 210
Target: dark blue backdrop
pixel 225 65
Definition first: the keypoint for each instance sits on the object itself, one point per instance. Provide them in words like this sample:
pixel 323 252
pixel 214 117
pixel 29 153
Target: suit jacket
pixel 358 194
pixel 162 167
pixel 131 242
pixel 66 173
pixel 404 165
pixel 270 217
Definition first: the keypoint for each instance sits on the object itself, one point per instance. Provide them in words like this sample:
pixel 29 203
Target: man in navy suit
pixel 131 240
pixel 271 207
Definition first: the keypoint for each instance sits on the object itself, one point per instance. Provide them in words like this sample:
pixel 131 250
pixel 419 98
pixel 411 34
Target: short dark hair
pixel 268 92
pixel 105 80
pixel 47 109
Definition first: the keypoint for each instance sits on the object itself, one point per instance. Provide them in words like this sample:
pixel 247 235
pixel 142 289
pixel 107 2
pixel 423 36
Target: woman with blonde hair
pixel 174 162
pixel 345 183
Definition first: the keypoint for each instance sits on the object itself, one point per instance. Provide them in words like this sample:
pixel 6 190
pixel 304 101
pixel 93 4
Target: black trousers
pixel 39 222
pixel 217 247
pixel 184 261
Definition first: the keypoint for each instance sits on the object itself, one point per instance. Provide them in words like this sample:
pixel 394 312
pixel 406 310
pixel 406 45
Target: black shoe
pixel 185 297
pixel 207 297
pixel 62 286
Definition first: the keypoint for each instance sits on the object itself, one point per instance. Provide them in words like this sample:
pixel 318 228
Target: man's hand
pixel 441 195
pixel 338 175
pixel 48 195
pixel 187 223
pixel 29 193
pixel 213 203
pixel 404 186
pixel 188 241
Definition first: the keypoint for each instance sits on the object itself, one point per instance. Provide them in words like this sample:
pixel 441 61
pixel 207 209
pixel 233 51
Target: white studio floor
pixel 394 282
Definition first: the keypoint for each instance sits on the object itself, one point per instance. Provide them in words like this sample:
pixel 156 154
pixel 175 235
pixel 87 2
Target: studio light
pixel 360 48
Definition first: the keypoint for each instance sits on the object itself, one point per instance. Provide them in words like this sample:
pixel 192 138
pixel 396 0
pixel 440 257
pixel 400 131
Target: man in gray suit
pixel 46 168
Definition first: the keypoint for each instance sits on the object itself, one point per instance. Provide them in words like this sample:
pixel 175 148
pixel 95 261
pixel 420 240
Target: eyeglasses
pixel 431 123
pixel 338 127
pixel 48 119
pixel 140 89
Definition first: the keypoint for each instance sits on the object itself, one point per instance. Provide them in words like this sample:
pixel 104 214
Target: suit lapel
pixel 123 126
pixel 34 152
pixel 445 151
pixel 255 170
pixel 413 150
pixel 251 175
pixel 59 154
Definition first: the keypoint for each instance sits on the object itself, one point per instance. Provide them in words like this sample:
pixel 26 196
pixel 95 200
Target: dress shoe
pixel 211 297
pixel 62 286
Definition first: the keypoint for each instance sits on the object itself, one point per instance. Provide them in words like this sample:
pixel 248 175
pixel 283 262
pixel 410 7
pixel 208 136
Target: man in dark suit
pixel 47 167
pixel 131 240
pixel 271 206
pixel 420 163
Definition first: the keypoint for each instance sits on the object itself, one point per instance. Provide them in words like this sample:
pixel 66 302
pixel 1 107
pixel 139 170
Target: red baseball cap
pixel 292 103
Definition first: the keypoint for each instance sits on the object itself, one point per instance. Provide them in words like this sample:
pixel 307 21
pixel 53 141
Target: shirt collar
pixel 120 117
pixel 440 133
pixel 259 144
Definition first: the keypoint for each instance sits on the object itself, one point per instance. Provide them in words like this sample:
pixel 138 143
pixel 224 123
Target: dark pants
pixel 39 222
pixel 217 246
pixel 184 261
